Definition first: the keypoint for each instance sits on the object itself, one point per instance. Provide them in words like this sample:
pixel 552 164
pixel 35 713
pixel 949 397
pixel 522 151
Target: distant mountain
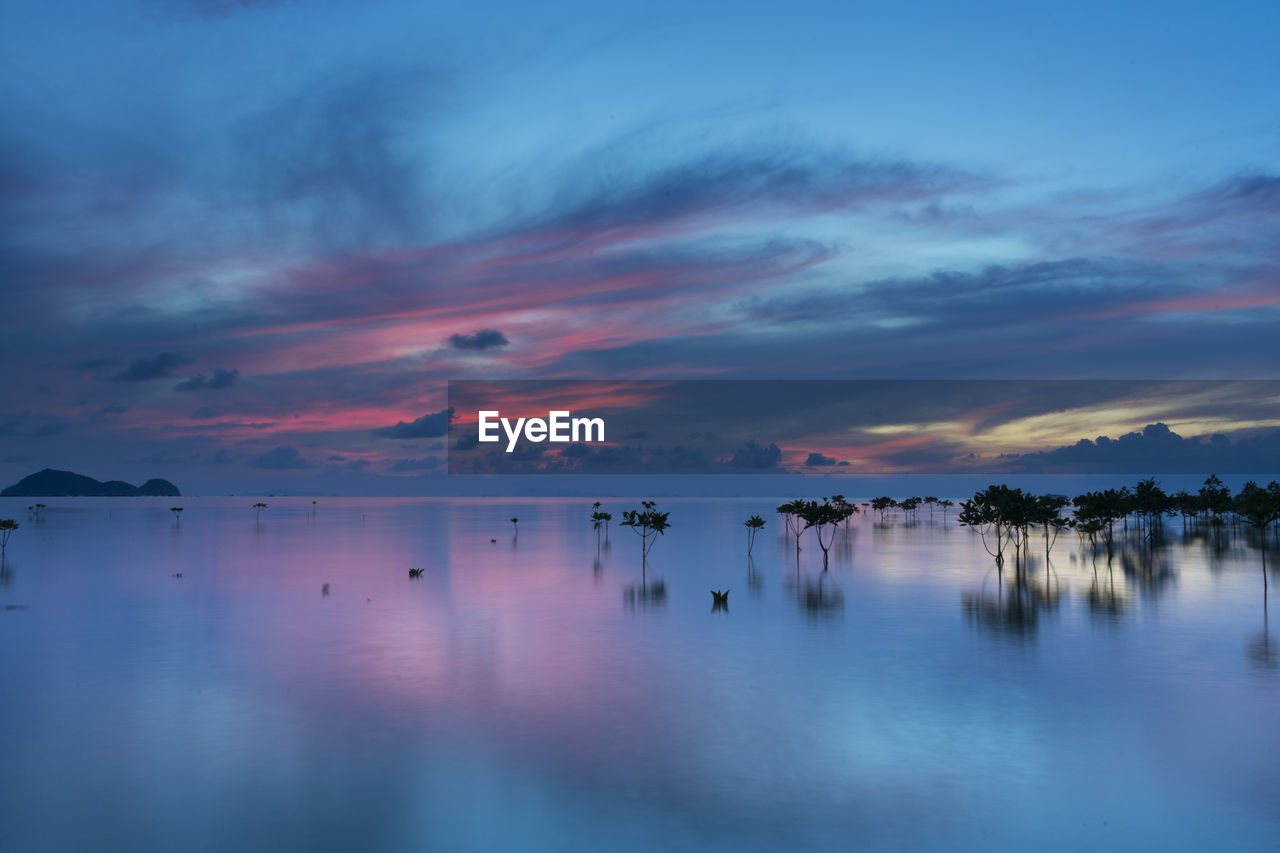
pixel 51 483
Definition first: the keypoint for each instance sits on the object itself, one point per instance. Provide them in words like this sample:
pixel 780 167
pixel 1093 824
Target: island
pixel 53 483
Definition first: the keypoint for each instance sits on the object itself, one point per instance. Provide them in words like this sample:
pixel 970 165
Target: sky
pixel 246 245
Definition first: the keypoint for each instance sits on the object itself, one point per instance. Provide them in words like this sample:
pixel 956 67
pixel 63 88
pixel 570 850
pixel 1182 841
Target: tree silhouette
pixel 647 523
pixel 257 510
pixel 790 512
pixel 515 522
pixel 883 503
pixel 754 525
pixel 1260 509
pixel 7 526
pixel 177 515
pixel 825 518
pixel 600 520
pixel 946 504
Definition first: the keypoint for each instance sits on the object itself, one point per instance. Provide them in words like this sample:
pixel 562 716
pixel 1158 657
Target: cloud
pixel 427 426
pixel 282 459
pixel 818 460
pixel 752 455
pixel 221 379
pixel 1158 450
pixel 159 367
pixel 481 339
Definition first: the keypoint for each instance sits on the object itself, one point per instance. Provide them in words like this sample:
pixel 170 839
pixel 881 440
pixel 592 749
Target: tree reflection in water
pixel 1014 609
pixel 645 596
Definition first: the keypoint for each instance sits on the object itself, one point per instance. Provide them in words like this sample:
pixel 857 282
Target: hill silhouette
pixel 52 483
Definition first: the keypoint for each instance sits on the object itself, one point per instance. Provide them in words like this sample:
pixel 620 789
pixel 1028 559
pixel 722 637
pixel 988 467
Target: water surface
pixel 295 687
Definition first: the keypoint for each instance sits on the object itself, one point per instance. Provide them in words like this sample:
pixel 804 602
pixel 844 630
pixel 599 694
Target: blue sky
pixel 236 233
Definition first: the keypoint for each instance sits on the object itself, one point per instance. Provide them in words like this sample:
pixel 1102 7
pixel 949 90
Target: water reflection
pixel 820 599
pixel 645 596
pixel 755 580
pixel 1014 607
pixel 503 697
pixel 719 601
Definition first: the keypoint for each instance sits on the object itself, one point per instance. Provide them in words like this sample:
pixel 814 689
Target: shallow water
pixel 520 695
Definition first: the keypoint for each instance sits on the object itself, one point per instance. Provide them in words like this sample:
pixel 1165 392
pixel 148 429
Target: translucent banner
pixel 860 427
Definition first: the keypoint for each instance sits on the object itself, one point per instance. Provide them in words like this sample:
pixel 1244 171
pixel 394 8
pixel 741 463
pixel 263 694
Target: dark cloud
pixel 481 339
pixel 794 178
pixel 282 459
pixel 1158 450
pixel 221 379
pixel 427 426
pixel 819 460
pixel 158 367
pixel 753 455
pixel 206 413
pixel 329 160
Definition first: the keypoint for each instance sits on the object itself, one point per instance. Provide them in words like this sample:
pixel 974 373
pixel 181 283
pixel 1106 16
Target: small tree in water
pixel 946 504
pixel 754 525
pixel 600 520
pixel 790 512
pixel 883 503
pixel 648 524
pixel 1260 508
pixel 177 515
pixel 825 518
pixel 257 510
pixel 7 526
pixel 515 522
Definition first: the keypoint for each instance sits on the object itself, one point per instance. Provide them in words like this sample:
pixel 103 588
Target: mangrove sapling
pixel 883 503
pixel 515 522
pixel 825 518
pixel 1048 514
pixel 790 512
pixel 7 526
pixel 1215 498
pixel 600 520
pixel 754 525
pixel 257 510
pixel 177 515
pixel 946 504
pixel 648 524
pixel 846 508
pixel 1001 512
pixel 413 573
pixel 1260 509
pixel 932 502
